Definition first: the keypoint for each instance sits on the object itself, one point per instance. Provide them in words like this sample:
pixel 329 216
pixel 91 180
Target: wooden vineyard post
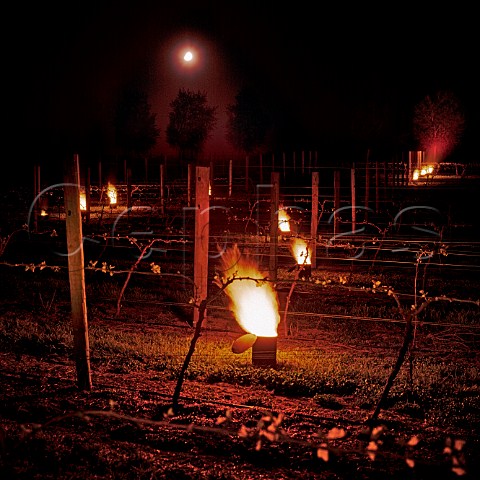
pixel 211 183
pixel 336 202
pixel 314 220
pixel 129 191
pixel 386 181
pixel 202 218
pixel 274 225
pixel 36 192
pixel 100 176
pixel 230 178
pixel 76 274
pixel 261 168
pixel 246 173
pixel 353 193
pixel 190 173
pixel 162 189
pixel 367 187
pixel 397 172
pixel 87 195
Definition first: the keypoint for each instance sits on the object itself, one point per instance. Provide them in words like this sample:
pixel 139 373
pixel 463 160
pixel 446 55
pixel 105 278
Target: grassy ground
pixel 307 417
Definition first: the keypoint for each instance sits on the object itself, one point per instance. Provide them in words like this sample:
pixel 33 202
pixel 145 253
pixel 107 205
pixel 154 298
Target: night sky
pixel 324 72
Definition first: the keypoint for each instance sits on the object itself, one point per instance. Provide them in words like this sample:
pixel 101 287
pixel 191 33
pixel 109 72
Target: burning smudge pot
pixel 264 352
pixel 264 349
pixel 255 305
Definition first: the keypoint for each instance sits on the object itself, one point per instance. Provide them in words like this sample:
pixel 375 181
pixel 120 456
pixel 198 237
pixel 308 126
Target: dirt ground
pixel 123 429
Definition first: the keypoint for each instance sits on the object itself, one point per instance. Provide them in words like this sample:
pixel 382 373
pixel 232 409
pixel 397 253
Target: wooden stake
pixel 129 190
pixel 202 219
pixel 336 202
pixel 76 274
pixel 367 185
pixel 314 219
pixel 190 180
pixel 261 168
pixel 162 189
pixel 353 194
pixel 230 178
pixel 212 178
pixel 36 191
pixel 87 196
pixel 386 180
pixel 274 226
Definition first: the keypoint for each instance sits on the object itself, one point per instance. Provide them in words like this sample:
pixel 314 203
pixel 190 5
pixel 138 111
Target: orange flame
pixel 253 302
pixel 112 194
pixel 301 252
pixel 283 221
pixel 83 201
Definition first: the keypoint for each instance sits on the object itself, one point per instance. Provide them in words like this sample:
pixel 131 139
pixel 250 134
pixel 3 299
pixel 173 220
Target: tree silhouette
pixel 249 122
pixel 438 125
pixel 135 126
pixel 191 121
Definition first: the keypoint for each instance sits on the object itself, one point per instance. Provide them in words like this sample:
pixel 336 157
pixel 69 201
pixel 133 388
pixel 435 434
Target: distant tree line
pixel 438 124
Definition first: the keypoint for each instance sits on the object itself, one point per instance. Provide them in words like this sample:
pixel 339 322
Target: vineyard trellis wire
pixel 423 248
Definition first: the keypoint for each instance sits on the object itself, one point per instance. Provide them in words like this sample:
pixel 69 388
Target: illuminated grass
pixel 443 392
pixel 351 365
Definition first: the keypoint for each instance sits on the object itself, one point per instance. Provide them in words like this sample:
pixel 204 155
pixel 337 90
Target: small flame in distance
pixel 112 194
pixel 283 221
pixel 299 248
pixel 83 201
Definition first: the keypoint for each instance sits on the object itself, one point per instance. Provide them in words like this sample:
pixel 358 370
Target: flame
pixel 254 303
pixel 425 170
pixel 283 221
pixel 112 194
pixel 300 251
pixel 83 201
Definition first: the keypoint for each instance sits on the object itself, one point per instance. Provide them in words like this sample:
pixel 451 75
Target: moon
pixel 188 57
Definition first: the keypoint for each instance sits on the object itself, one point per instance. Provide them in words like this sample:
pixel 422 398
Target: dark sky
pixel 319 68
